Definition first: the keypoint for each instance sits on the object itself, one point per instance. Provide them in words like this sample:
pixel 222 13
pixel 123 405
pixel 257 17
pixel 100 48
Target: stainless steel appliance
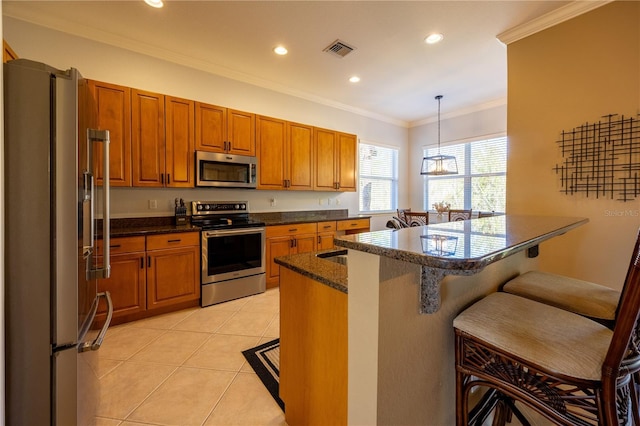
pixel 50 271
pixel 233 251
pixel 225 170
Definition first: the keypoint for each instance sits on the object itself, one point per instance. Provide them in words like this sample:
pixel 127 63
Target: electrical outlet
pixel 153 204
pixel 329 201
pixel 320 201
pixel 273 202
pixel 337 201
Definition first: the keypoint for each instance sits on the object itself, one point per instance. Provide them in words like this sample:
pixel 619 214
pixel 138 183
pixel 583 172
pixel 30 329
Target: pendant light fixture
pixel 438 165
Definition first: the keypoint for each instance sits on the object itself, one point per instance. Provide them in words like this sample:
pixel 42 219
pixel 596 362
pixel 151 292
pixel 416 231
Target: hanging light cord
pixel 438 98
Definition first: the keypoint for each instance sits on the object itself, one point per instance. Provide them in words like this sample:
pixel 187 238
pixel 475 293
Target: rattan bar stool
pixel 568 368
pixel 581 297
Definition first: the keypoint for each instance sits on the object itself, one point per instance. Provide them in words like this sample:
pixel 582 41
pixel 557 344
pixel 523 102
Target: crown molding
pixel 111 39
pixel 550 19
pixel 461 111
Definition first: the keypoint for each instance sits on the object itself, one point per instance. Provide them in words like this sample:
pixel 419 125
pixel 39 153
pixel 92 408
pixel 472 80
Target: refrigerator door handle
pixel 95 345
pixel 94 135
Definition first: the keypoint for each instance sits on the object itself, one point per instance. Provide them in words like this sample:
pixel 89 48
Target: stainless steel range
pixel 233 251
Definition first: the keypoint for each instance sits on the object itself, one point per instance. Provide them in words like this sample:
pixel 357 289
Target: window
pixel 378 183
pixel 482 180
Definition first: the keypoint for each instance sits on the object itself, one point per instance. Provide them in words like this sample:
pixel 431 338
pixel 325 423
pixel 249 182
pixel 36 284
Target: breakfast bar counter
pixel 404 288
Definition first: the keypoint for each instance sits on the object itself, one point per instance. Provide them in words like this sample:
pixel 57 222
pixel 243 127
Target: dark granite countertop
pixel 467 245
pixel 132 227
pixel 458 248
pixel 319 269
pixel 287 218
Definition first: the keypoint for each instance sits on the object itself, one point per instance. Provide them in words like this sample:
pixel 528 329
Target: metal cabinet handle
pixel 148 261
pixel 94 135
pixel 168 178
pixel 142 262
pixel 95 345
pixel 174 241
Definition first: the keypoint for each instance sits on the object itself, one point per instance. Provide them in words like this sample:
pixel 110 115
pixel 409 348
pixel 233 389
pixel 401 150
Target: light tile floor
pixel 186 368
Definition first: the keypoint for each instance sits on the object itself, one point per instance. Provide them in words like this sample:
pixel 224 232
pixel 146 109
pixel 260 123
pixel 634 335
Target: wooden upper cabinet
pixel 336 156
pixel 179 140
pixel 285 154
pixel 271 138
pixel 148 138
pixel 219 129
pixel 211 127
pixel 112 109
pixel 347 158
pixel 7 53
pixel 300 156
pixel 325 159
pixel 241 132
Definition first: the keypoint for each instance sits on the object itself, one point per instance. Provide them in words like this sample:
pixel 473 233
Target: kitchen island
pixel 403 289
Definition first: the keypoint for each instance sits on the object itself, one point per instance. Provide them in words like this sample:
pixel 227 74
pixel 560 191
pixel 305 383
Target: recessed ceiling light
pixel 280 50
pixel 354 79
pixel 154 3
pixel 433 38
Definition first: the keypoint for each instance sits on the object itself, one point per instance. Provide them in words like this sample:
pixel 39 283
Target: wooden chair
pixel 402 214
pixel 486 214
pixel 568 368
pixel 417 218
pixel 455 215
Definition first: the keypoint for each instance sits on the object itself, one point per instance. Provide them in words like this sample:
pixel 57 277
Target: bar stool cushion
pixel 556 340
pixel 581 297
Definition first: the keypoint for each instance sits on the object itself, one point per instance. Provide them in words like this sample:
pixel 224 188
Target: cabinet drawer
pixel 182 239
pixel 293 229
pixel 327 226
pixel 123 245
pixel 346 225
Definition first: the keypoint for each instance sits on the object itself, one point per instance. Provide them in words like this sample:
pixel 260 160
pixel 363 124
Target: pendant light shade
pixel 438 165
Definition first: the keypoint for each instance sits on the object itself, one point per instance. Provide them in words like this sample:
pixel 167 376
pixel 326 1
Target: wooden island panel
pixel 313 351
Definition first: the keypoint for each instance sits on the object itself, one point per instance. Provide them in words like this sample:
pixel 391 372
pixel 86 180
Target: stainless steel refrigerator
pixel 51 273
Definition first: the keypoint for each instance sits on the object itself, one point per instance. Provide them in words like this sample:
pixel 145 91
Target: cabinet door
pixel 347 148
pixel 241 132
pixel 300 157
pixel 211 127
pixel 127 285
pixel 325 240
pixel 147 121
pixel 173 276
pixel 112 105
pixel 276 246
pixel 305 243
pixel 325 159
pixel 270 141
pixel 179 157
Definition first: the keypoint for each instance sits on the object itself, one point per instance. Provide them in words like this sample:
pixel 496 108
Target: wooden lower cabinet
pixel 151 275
pixel 282 240
pixel 173 276
pixel 326 233
pixel 354 226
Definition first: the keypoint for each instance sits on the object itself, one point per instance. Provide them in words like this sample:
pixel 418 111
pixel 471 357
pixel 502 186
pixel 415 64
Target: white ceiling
pixel 401 75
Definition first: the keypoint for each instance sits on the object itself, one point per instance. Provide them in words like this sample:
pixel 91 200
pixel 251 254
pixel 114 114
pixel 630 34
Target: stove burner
pixel 222 215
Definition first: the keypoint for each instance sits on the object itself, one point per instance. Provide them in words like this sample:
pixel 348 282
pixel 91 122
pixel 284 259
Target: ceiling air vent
pixel 339 48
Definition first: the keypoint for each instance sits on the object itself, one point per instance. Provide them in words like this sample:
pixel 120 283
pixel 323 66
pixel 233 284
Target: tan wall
pixel 558 79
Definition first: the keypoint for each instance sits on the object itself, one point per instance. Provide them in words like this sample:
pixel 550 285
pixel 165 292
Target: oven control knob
pixel 243 206
pixel 207 207
pixel 237 206
pixel 199 207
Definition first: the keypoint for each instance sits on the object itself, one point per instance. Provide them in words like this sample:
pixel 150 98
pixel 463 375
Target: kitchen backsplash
pixel 143 202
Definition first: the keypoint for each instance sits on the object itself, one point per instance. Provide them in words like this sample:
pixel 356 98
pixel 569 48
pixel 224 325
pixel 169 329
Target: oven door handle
pixel 232 232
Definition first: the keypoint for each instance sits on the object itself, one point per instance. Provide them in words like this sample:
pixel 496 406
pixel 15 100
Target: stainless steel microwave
pixel 225 170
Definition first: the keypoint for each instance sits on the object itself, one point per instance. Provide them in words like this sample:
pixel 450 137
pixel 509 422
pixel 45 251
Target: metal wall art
pixel 602 159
